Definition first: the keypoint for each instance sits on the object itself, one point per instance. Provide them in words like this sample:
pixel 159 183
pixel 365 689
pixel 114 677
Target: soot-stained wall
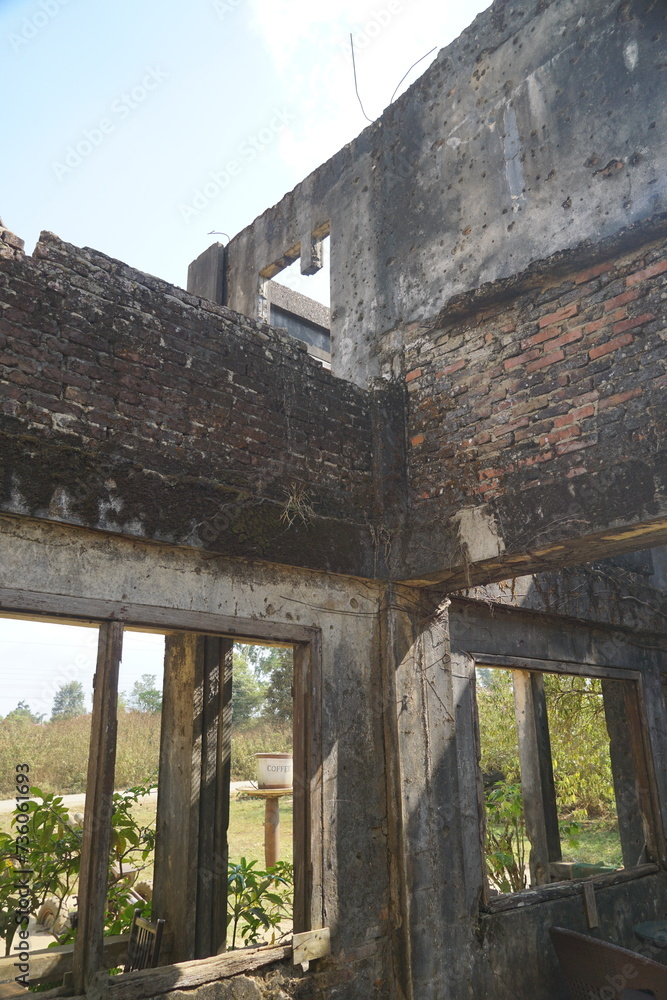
pixel 543 125
pixel 130 406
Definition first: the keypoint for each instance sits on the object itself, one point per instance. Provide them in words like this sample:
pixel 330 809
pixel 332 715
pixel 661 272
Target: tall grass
pixel 57 752
pixel 257 737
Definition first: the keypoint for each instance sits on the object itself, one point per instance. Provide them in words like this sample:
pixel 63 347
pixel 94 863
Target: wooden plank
pixel 224 770
pixel 531 777
pixel 51 964
pixel 654 731
pixel 302 820
pixel 311 945
pixel 210 918
pixel 562 890
pixel 554 666
pixel 209 672
pixel 185 975
pixel 177 821
pixel 33 603
pixel 590 906
pixel 543 743
pixel 94 871
pixel 618 697
pixel 472 807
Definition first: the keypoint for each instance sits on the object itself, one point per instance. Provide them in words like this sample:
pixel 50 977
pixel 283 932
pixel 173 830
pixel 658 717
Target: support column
pixel 95 845
pixel 426 840
pixel 537 780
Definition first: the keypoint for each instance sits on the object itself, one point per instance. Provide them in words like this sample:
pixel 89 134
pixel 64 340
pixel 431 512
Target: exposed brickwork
pixel 10 244
pixel 128 404
pixel 549 384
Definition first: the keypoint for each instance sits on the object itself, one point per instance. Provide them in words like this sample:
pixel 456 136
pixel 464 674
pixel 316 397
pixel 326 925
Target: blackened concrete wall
pixel 131 406
pixel 542 126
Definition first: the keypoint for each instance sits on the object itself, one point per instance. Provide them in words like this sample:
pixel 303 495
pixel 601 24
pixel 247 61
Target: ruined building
pixel 478 481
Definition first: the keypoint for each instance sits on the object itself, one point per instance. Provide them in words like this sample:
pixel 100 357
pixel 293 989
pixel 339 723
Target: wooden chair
pixel 598 970
pixel 143 948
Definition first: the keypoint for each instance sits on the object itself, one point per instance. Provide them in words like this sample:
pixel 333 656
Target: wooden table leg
pixel 271 831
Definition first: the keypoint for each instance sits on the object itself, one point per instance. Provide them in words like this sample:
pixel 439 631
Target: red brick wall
pixel 544 386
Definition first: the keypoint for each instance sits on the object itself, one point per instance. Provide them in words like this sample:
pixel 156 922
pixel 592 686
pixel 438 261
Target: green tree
pixel 22 713
pixel 247 690
pixel 278 669
pixel 68 701
pixel 144 696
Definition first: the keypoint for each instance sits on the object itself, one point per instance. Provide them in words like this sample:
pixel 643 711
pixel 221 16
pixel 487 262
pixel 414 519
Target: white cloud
pixel 310 43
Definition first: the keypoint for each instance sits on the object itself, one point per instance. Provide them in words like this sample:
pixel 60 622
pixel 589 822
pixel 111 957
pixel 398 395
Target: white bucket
pixel 274 770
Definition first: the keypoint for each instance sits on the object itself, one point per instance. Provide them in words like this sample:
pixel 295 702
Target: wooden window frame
pixel 540 814
pixel 112 618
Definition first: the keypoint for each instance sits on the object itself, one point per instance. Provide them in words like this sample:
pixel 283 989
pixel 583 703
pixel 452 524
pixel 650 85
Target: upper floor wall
pixel 130 406
pixel 537 129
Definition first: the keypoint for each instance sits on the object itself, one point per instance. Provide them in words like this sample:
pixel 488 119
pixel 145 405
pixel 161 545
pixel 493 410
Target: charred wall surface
pixel 130 406
pixel 542 126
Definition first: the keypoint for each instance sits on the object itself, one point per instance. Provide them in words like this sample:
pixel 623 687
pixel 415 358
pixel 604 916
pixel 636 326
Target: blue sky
pixel 114 115
pixel 117 115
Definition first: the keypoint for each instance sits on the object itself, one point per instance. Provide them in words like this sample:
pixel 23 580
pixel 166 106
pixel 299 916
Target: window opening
pixel 48 731
pixel 295 296
pixel 564 786
pixel 261 818
pixel 182 718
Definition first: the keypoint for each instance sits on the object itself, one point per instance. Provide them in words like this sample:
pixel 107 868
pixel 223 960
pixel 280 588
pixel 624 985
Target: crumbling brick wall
pixel 544 390
pixel 131 406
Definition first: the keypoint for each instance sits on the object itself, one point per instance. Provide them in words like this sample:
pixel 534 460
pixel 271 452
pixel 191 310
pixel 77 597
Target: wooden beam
pixel 308 789
pixel 563 890
pixel 216 656
pixel 618 713
pixel 51 964
pixel 94 871
pixel 177 821
pixel 185 975
pixel 533 745
pixel 224 772
pixel 650 749
pixel 554 666
pixel 35 603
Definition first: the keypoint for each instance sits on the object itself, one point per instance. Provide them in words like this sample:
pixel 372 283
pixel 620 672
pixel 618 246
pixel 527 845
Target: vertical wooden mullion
pixel 647 721
pixel 530 720
pixel 308 803
pixel 94 871
pixel 177 824
pixel 301 826
pixel 620 708
pixel 207 798
pixel 548 784
pixel 224 766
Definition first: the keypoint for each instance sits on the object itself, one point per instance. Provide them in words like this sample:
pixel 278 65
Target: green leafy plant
pixel 257 900
pixel 48 866
pixel 505 838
